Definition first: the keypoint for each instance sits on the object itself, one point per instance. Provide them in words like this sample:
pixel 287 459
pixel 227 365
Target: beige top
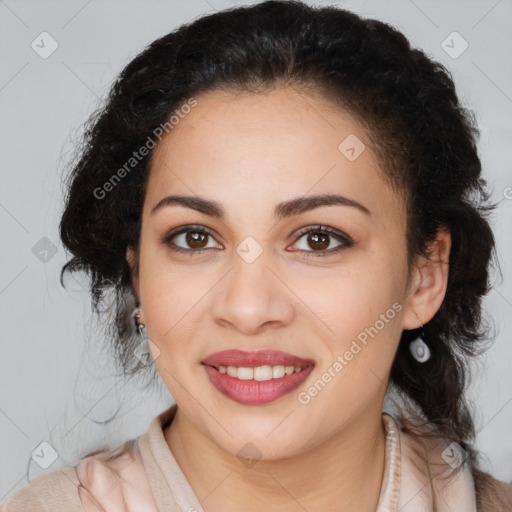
pixel 403 488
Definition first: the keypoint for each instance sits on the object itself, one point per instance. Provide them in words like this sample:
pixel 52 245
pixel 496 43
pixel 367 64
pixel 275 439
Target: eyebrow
pixel 283 210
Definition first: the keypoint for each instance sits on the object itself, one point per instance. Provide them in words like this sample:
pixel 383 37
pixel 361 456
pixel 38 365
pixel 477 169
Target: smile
pixel 256 377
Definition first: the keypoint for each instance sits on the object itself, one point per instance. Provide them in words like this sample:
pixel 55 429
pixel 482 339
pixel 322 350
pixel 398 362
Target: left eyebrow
pixel 284 209
pixel 306 203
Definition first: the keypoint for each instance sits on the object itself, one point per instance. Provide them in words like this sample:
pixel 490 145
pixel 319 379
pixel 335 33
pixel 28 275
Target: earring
pixel 136 316
pixel 419 349
pixel 142 352
pixel 138 325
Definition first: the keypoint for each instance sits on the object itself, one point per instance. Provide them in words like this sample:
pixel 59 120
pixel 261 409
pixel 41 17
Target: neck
pixel 343 473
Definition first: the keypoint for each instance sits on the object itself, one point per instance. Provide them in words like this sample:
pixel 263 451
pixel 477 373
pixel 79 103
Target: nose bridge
pixel 252 296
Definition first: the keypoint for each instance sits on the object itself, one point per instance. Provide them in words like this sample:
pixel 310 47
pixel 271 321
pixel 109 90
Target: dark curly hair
pixel 425 141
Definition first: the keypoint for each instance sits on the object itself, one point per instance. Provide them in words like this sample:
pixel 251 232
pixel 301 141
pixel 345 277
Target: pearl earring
pixel 139 326
pixel 143 351
pixel 419 349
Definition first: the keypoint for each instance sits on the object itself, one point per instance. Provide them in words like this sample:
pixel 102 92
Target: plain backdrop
pixel 55 378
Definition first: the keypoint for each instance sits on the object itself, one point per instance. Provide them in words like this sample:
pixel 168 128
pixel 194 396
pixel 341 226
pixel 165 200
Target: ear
pixel 132 257
pixel 428 282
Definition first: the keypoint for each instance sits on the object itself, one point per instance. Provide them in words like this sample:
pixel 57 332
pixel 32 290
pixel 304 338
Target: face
pixel 269 278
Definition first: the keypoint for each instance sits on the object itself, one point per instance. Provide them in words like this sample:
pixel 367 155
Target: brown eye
pixel 190 240
pixel 319 241
pixel 195 239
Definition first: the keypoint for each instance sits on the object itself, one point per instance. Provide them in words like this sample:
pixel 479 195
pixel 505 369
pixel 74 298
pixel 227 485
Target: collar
pixel 404 487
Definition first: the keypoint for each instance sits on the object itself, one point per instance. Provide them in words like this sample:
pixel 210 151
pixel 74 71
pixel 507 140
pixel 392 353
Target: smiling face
pixel 248 268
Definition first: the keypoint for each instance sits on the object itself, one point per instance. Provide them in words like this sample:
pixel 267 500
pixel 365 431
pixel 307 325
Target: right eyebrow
pixel 194 202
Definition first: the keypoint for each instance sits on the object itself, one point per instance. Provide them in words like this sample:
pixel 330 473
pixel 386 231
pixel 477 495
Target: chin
pixel 265 439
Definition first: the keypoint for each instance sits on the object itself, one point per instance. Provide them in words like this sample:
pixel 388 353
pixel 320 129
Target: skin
pixel 249 152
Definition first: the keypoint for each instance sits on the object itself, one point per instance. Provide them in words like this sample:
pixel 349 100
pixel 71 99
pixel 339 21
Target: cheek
pixel 362 308
pixel 169 289
pixel 350 299
pixel 171 297
pixel 355 373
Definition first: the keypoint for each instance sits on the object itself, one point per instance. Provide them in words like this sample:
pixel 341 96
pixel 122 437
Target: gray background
pixel 56 383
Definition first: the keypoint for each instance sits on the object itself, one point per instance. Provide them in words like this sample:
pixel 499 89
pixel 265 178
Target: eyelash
pixel 338 235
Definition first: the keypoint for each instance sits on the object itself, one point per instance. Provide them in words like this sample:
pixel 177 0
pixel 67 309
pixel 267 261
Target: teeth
pixel 259 373
pixel 278 372
pixel 244 373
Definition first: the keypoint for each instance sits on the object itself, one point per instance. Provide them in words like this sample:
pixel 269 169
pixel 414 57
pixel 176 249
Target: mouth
pixel 256 377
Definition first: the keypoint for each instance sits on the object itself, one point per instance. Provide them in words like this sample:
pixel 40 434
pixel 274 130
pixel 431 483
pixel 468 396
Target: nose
pixel 253 297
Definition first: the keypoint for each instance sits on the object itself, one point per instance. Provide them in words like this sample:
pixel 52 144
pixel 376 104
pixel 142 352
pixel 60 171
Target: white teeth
pixel 259 373
pixel 245 373
pixel 277 372
pixel 262 372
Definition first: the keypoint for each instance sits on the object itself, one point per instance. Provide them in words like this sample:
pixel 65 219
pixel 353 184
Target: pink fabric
pixel 147 478
pixel 405 488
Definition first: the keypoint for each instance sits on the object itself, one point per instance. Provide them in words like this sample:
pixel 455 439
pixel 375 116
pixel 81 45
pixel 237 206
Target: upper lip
pixel 252 358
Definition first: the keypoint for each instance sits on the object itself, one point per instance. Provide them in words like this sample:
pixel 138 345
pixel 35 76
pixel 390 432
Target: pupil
pixel 315 237
pixel 194 239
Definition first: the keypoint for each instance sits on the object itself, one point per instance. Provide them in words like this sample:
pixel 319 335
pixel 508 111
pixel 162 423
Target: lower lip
pixel 253 392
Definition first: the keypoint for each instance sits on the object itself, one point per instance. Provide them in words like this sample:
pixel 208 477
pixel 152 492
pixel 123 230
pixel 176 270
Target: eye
pixel 194 240
pixel 320 239
pixel 190 239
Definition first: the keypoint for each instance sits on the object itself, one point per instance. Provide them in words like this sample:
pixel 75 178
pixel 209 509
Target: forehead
pixel 260 147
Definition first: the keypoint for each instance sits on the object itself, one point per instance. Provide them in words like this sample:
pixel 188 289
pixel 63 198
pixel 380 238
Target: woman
pixel 289 198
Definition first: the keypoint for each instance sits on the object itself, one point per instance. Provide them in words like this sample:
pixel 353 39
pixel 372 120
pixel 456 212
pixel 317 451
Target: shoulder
pixel 434 471
pixel 55 491
pixel 114 477
pixel 441 469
